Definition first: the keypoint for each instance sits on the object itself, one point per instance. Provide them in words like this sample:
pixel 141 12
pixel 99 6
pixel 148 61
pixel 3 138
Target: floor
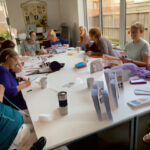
pixel 116 138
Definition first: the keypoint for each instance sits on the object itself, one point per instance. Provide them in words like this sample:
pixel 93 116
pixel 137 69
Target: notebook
pixel 139 102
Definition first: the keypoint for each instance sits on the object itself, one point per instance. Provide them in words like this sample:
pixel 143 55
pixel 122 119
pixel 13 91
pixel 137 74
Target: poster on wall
pixel 35 12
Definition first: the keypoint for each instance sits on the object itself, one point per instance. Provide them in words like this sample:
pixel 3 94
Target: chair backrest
pixel 65 32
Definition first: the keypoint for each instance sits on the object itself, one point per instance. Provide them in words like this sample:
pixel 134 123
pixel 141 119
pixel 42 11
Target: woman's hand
pixel 21 79
pixel 42 51
pixel 30 53
pixel 23 85
pixel 89 53
pixel 27 83
pixel 125 60
pixel 108 57
pixel 66 45
pixel 2 89
pixel 54 46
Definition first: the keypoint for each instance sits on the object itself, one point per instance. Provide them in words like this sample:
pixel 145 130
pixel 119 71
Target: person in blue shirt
pixel 53 41
pixel 10 122
pixel 9 61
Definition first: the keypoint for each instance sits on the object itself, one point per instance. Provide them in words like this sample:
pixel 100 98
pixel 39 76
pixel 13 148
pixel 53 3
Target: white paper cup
pixel 43 82
pixel 90 82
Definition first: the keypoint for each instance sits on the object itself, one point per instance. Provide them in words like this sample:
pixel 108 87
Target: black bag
pixel 55 66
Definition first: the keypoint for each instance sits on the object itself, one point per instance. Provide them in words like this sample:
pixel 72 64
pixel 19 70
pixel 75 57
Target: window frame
pixel 122 20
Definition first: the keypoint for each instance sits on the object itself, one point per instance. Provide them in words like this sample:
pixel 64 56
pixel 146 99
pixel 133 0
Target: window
pixel 4 29
pixel 93 13
pixel 138 1
pixel 111 20
pixel 95 5
pixel 138 12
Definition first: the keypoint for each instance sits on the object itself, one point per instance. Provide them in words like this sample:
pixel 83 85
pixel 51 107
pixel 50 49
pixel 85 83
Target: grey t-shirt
pixel 108 49
pixel 26 47
pixel 136 51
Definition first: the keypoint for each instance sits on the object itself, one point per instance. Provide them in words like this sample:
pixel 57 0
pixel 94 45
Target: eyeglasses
pixel 133 32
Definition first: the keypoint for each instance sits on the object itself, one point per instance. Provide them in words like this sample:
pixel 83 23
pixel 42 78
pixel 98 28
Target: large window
pixel 111 20
pixel 4 29
pixel 93 13
pixel 138 11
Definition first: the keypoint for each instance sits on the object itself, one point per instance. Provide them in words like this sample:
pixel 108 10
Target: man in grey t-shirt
pixel 136 51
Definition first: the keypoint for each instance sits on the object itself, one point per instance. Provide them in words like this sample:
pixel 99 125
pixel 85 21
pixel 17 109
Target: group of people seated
pixel 31 47
pixel 14 118
pixel 137 50
pixel 16 130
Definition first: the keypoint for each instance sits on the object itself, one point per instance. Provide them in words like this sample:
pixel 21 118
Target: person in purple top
pixel 52 41
pixel 9 61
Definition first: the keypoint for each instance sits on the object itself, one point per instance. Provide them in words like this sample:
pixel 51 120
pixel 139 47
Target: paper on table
pixel 139 102
pixel 141 92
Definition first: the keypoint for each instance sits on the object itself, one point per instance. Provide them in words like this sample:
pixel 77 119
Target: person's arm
pixel 111 51
pixel 64 43
pixel 10 89
pixel 146 53
pixel 138 63
pixel 47 45
pixel 23 85
pixel 108 57
pixel 87 48
pixel 146 59
pixel 2 89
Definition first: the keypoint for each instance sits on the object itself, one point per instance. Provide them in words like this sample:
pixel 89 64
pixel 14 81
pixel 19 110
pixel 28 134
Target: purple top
pixel 10 84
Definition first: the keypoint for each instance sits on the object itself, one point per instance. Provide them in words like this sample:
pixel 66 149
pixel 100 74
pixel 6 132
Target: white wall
pixel 69 15
pixel 16 15
pixel 59 11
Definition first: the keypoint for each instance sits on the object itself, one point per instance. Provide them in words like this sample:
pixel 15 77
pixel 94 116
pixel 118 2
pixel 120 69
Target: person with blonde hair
pixel 84 38
pixel 100 44
pixel 53 41
pixel 9 61
pixel 137 50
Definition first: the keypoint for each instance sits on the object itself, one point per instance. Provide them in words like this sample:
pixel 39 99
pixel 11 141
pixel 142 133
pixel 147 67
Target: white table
pixel 81 119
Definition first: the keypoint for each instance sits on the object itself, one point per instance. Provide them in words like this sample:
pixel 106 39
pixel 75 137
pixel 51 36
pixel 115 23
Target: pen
pixel 29 90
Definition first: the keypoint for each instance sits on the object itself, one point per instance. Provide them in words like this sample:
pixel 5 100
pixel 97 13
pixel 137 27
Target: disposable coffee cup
pixel 42 47
pixel 63 105
pixel 90 82
pixel 43 82
pixel 78 49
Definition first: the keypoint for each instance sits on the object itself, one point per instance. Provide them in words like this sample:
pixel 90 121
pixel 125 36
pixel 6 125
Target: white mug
pixel 43 82
pixel 90 82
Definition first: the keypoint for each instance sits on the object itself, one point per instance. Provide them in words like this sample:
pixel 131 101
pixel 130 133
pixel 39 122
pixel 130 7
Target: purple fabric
pixel 135 70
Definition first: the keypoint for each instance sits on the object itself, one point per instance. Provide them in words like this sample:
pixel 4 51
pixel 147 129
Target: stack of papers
pixel 59 50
